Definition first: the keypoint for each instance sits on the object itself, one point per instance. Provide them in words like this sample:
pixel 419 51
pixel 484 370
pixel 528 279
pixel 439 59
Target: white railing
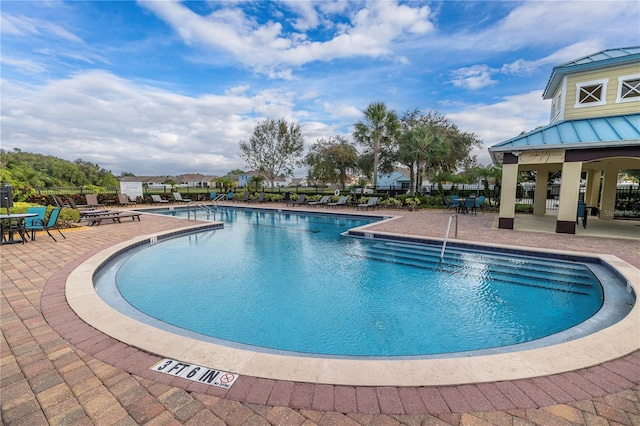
pixel 197 206
pixel 446 235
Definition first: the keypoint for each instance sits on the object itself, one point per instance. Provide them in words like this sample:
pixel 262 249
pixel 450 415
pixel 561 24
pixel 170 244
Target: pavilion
pixel 594 133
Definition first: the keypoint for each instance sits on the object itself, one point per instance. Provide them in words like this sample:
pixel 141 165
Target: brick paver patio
pixel 55 369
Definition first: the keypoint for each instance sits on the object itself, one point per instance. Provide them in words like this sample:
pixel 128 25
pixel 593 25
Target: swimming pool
pixel 286 282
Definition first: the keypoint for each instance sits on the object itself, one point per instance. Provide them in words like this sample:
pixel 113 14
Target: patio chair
pixel 32 223
pixel 300 201
pixel 453 203
pixel 469 205
pixel 156 199
pixel 123 200
pixel 582 213
pixel 178 197
pixel 479 203
pixel 230 196
pixel 321 202
pixel 92 201
pixel 40 225
pixel 372 203
pixel 342 201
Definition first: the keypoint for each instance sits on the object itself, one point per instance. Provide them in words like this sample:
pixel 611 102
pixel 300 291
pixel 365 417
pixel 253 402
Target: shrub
pixel 391 202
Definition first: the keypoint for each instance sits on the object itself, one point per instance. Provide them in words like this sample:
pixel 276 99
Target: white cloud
pixel 503 120
pixel 102 118
pixel 268 49
pixel 24 65
pixel 474 77
pixel 25 26
pixel 552 23
pixel 566 54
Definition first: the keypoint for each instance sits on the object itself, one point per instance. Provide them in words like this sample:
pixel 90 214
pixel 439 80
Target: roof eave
pixel 560 71
pixel 497 152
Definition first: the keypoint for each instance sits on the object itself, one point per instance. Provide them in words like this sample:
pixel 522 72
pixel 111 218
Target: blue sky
pixel 170 87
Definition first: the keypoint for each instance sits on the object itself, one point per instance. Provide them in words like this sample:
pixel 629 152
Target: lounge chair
pixel 322 202
pixel 34 223
pixel 372 203
pixel 453 203
pixel 92 201
pixel 75 206
pixel 300 201
pixel 342 201
pixel 156 199
pixel 230 196
pixel 40 225
pixel 178 197
pixel 58 201
pixel 123 200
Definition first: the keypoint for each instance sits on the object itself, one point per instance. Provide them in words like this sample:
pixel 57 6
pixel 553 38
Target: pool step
pixel 453 264
pixel 470 257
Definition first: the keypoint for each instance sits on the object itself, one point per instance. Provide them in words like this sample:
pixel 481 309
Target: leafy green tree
pixel 274 149
pixel 330 159
pixel 28 170
pixel 457 155
pixel 256 181
pixel 365 165
pixel 378 132
pixel 420 146
pixel 224 182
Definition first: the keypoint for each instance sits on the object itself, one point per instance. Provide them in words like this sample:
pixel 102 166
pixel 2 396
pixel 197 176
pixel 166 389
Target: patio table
pixel 12 224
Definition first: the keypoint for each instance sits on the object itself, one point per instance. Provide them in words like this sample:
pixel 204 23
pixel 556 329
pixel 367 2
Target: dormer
pixel 600 85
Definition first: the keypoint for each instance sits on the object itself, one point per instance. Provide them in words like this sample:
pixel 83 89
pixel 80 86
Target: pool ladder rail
pixel 197 206
pixel 446 235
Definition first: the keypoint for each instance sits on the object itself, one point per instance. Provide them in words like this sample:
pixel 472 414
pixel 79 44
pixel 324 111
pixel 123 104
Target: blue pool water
pixel 293 283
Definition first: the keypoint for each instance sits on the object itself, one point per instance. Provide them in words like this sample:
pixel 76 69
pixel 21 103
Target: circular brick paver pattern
pixel 56 369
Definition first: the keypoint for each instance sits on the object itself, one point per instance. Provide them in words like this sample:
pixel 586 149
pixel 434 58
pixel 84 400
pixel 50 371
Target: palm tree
pixel 379 127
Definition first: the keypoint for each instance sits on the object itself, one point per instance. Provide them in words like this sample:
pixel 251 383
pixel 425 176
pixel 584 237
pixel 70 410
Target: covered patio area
pixel 595 149
pixel 596 227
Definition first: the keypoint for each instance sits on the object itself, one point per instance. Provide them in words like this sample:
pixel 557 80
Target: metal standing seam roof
pixel 605 58
pixel 609 131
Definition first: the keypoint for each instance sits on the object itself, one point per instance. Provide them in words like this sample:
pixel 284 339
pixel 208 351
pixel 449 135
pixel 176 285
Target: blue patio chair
pixel 469 205
pixel 51 224
pixel 33 223
pixel 582 213
pixel 453 203
pixel 479 203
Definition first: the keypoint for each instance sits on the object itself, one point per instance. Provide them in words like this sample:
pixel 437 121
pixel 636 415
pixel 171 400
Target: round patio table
pixel 12 224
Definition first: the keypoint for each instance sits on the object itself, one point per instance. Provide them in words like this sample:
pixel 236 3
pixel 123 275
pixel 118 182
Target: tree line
pixel 25 170
pixel 427 144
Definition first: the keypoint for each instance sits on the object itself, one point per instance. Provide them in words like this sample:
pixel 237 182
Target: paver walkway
pixel 55 369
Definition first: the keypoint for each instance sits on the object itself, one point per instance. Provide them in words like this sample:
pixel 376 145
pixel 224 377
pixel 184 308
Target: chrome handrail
pixel 446 235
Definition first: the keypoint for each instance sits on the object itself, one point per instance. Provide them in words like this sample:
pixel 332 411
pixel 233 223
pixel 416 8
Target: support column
pixel 593 188
pixel 508 196
pixel 608 198
pixel 540 196
pixel 569 192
